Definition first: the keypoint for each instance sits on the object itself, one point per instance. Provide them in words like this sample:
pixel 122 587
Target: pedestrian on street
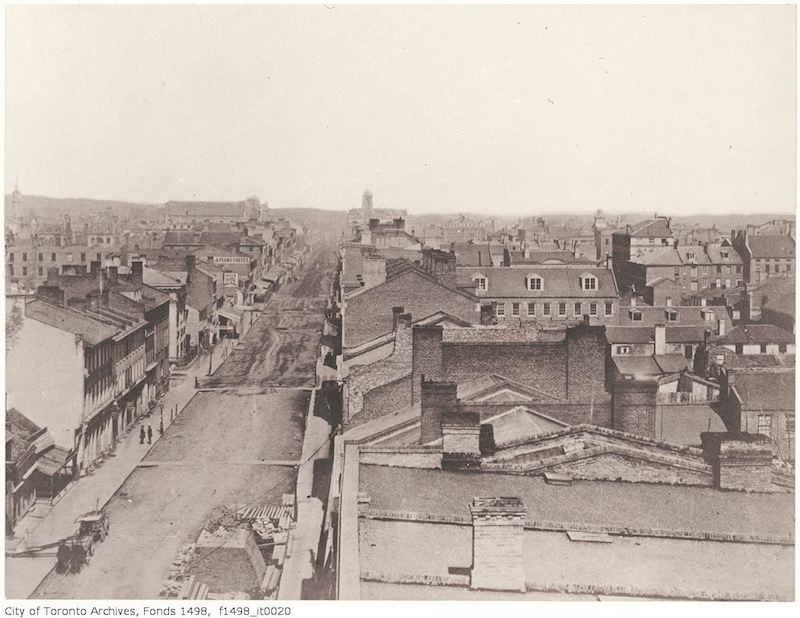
pixel 161 427
pixel 141 435
pixel 149 434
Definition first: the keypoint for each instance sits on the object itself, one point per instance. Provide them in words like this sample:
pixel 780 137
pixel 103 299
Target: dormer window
pixel 672 315
pixel 635 315
pixel 725 255
pixel 690 255
pixel 534 283
pixel 481 282
pixel 588 283
pixel 708 316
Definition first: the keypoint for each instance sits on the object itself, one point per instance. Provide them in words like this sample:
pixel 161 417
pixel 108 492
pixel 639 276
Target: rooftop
pixel 766 390
pixel 92 331
pixel 757 334
pixel 771 246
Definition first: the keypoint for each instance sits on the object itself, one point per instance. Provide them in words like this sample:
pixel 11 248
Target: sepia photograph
pixel 448 302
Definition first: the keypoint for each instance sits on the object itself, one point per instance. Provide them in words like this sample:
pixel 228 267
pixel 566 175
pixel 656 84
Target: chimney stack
pixel 487 314
pixel 189 262
pixel 633 301
pixel 498 529
pixel 112 275
pixel 660 339
pixel 461 435
pixel 396 311
pixel 137 272
pixel 437 399
pixel 739 461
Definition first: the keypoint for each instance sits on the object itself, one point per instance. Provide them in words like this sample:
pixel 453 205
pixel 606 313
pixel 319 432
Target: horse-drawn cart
pixel 74 551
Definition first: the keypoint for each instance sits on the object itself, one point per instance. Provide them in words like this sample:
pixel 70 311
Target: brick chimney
pixel 498 544
pixel 189 262
pixel 660 338
pixel 438 399
pixel 739 461
pixel 426 357
pixel 137 272
pixel 461 436
pixel 487 314
pixel 112 275
pixel 396 311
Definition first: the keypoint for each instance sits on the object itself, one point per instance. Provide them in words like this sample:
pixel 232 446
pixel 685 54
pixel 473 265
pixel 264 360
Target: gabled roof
pixel 483 387
pixel 658 227
pixel 92 331
pixel 771 246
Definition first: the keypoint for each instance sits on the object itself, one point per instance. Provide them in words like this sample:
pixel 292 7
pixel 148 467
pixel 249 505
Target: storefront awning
pixel 274 275
pixel 230 313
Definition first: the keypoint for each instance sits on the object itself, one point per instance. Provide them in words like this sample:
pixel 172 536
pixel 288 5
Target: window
pixel 719 270
pixel 766 268
pixel 11 270
pixel 577 309
pixel 41 257
pixel 693 271
pixel 782 348
pixel 52 257
pixel 108 241
pixel 546 310
pixel 623 349
pixel 677 272
pixel 763 348
pixel 83 257
pixel 739 348
pixel 725 255
pixel 531 310
pixel 738 269
pixel 41 271
pixel 99 257
pixel 535 282
pixel 636 316
pixel 480 283
pixel 669 301
pixel 593 309
pixel 788 267
pixel 609 308
pixel 690 255
pixel 589 283
pixel 562 309
pixel 25 257
pixel 720 358
pixel 672 316
pixel 515 310
pixel 688 352
pixel 765 424
pixel 501 310
pixel 24 271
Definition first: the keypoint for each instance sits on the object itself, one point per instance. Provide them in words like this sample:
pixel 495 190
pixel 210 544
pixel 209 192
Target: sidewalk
pixel 97 488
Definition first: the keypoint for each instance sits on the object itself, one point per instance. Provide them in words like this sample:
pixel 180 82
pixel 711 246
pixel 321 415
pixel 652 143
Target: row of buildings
pixel 501 398
pixel 95 330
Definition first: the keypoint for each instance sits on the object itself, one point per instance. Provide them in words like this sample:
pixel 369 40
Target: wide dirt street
pixel 237 444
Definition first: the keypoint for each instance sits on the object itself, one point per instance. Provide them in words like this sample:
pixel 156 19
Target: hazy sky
pixel 483 109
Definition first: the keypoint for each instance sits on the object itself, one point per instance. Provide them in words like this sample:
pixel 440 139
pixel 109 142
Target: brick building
pixel 765 257
pixel 545 293
pixel 428 521
pixel 635 241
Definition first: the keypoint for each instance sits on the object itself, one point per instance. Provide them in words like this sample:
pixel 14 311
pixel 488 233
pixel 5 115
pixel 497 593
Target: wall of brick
pixel 635 407
pixel 427 358
pixel 437 399
pixel 383 400
pixel 388 373
pixel 497 549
